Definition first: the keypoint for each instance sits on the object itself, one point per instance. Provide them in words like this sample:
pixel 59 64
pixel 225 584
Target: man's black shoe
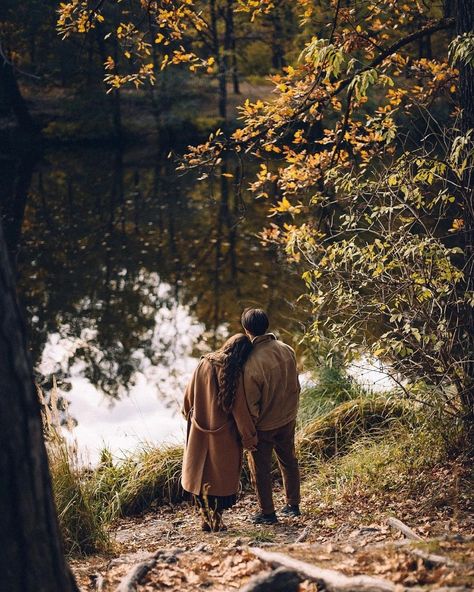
pixel 291 511
pixel 265 518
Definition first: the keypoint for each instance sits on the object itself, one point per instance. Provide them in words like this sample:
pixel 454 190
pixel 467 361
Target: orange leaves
pixel 458 224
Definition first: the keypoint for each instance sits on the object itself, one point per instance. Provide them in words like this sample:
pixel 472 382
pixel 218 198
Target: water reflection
pixel 129 272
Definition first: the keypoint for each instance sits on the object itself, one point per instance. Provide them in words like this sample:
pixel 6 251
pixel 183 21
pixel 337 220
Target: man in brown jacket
pixel 272 391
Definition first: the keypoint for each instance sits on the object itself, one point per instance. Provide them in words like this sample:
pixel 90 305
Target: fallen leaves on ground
pixel 343 536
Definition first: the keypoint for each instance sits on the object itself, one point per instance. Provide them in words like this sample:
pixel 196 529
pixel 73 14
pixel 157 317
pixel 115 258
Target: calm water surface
pixel 129 272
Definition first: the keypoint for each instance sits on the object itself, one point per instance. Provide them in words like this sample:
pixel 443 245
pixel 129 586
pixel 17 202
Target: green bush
pixel 332 387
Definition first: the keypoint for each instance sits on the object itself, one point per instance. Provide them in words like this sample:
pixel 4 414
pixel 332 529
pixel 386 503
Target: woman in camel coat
pixel 219 427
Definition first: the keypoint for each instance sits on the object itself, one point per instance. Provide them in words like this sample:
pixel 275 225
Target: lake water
pixel 128 273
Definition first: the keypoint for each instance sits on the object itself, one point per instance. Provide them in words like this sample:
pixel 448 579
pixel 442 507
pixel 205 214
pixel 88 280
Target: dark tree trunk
pixel 114 97
pixel 278 53
pixel 222 90
pixel 221 60
pixel 230 42
pixel 14 98
pixel 465 24
pixel 15 204
pixel 31 557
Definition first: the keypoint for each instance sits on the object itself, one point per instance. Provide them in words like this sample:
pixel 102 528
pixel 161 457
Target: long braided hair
pixel 233 355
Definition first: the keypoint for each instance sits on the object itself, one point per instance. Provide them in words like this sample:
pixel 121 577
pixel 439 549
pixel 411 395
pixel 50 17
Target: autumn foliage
pixel 366 155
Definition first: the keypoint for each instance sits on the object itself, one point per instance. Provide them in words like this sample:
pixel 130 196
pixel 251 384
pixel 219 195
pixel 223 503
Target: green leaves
pixel 324 55
pixel 461 50
pixel 361 82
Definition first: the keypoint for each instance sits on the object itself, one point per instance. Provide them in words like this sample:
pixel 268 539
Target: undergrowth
pixel 404 471
pixel 348 441
pixel 332 387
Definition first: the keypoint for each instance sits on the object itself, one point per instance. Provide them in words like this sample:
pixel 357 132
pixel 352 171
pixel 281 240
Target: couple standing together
pixel 245 395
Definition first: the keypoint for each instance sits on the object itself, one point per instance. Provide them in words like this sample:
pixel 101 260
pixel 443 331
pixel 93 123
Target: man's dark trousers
pixel 282 440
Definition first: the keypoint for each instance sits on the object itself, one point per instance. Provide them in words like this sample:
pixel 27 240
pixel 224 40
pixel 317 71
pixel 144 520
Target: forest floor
pixel 351 536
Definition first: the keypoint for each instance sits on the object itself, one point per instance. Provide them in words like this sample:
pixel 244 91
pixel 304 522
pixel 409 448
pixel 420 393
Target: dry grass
pixel 348 441
pixel 334 432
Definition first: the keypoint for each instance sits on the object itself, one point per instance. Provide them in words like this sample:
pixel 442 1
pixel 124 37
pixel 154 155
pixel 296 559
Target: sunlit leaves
pixel 323 55
pixel 461 50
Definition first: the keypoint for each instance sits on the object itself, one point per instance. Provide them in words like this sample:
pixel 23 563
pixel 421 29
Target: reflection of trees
pixel 102 226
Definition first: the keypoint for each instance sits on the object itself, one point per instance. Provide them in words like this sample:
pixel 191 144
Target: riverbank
pixel 364 458
pixel 159 115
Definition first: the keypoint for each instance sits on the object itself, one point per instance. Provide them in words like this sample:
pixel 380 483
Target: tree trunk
pixel 14 98
pixel 465 24
pixel 230 42
pixel 220 60
pixel 278 53
pixel 31 558
pixel 14 207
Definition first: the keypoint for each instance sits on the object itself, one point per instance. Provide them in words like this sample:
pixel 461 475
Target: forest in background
pixel 358 117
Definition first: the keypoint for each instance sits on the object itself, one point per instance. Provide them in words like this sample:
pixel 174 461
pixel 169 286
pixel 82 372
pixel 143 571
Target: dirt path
pixel 193 560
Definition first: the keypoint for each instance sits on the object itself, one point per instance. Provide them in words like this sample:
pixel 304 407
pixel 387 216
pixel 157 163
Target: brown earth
pixel 337 536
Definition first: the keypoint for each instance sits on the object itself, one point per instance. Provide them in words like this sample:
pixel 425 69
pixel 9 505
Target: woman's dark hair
pixel 255 321
pixel 236 350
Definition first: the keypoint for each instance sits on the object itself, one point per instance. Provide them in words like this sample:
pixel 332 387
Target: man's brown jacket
pixel 271 383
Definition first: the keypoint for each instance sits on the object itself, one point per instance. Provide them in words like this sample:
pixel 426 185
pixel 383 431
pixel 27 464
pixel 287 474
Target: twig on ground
pixel 432 560
pixel 406 530
pixel 303 535
pixel 332 581
pixel 137 572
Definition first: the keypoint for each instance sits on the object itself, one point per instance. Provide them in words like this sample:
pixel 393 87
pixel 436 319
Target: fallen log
pixel 406 530
pixel 278 580
pixel 331 580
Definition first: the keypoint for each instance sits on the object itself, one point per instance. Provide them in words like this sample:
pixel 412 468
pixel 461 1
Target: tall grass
pixel 83 525
pixel 150 475
pixel 346 436
pixel 332 387
pixel 394 465
pixel 334 432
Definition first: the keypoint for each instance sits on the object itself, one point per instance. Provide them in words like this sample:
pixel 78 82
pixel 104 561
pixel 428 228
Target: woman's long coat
pixel 213 455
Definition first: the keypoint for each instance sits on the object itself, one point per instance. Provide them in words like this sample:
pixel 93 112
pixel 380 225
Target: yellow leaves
pixel 284 206
pixel 393 180
pixel 272 148
pixel 164 62
pixel 239 134
pixel 251 108
pixel 159 38
pixel 298 137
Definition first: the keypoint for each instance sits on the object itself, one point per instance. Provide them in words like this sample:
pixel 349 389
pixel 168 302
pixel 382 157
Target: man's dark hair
pixel 255 321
